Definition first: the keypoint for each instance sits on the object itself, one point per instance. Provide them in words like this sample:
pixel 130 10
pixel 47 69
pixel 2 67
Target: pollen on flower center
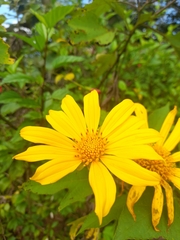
pixel 163 168
pixel 91 147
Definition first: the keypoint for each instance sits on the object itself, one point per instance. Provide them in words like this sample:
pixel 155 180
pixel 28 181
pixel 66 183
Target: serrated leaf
pixel 142 228
pixel 69 181
pixel 4 55
pixel 61 60
pixel 157 117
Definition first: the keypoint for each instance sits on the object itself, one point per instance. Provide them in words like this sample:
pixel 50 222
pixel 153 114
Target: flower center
pixel 163 168
pixel 91 147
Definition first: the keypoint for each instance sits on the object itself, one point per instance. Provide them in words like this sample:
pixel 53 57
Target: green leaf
pixel 144 18
pixel 9 108
pixel 157 117
pixel 20 78
pixel 142 228
pixel 5 161
pixel 69 181
pixel 118 8
pixel 4 55
pixel 59 94
pixel 97 7
pixel 39 16
pixel 174 40
pixel 28 40
pixel 61 60
pixel 28 103
pixel 9 96
pixel 104 62
pixel 105 38
pixel 57 14
pixel 92 221
pixel 42 30
pixel 86 26
pixel 12 68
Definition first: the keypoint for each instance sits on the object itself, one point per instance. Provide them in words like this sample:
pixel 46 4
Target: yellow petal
pixel 136 137
pixel 169 201
pixel 167 124
pixel 117 116
pixel 104 189
pixel 135 152
pixel 134 195
pixel 175 157
pixel 54 170
pixel 157 206
pixel 130 172
pixel 132 123
pixel 60 122
pixel 74 114
pixel 175 179
pixel 141 113
pixel 174 137
pixel 46 136
pixel 92 110
pixel 42 152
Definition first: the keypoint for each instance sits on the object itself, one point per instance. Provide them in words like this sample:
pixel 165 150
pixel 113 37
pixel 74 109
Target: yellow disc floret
pixel 91 147
pixel 163 168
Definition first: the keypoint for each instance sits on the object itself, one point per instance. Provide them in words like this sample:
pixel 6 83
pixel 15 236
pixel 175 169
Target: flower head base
pixel 77 139
pixel 91 147
pixel 166 169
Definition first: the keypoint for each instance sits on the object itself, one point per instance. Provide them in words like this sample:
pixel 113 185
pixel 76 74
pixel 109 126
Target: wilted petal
pixel 54 170
pixel 169 201
pixel 157 206
pixel 104 189
pixel 92 110
pixel 130 172
pixel 174 137
pixel 134 195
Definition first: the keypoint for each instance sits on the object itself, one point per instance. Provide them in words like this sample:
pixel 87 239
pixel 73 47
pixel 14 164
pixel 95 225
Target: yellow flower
pixel 166 169
pixel 77 140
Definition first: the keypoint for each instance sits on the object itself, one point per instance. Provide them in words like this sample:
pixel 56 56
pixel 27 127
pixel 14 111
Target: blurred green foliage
pixel 71 48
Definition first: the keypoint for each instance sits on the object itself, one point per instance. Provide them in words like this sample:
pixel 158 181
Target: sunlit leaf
pixel 4 55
